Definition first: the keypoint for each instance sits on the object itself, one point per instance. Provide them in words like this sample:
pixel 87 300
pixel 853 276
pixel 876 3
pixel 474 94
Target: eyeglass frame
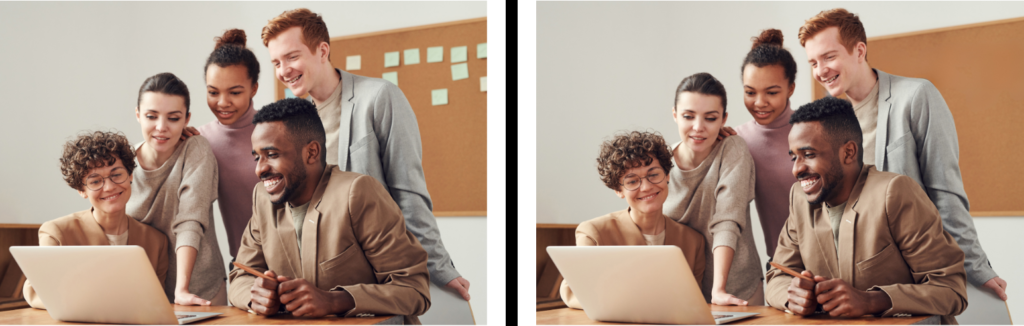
pixel 110 176
pixel 646 177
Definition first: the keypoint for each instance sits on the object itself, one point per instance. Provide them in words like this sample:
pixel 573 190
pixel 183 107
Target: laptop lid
pixel 99 284
pixel 633 284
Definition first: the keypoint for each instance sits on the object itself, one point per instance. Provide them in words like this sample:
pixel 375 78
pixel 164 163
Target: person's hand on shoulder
pixel 265 299
pixel 304 299
pixel 802 300
pixel 726 132
pixel 462 285
pixel 841 299
pixel 189 132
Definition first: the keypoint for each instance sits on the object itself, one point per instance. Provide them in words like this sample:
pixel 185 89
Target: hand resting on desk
pixel 265 300
pixel 304 299
pixel 840 299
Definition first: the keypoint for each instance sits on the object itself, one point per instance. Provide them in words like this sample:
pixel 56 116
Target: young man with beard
pixel 371 128
pixel 907 127
pixel 334 241
pixel 889 255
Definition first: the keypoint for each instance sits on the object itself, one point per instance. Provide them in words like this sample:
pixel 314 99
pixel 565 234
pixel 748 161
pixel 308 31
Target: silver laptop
pixel 99 284
pixel 636 284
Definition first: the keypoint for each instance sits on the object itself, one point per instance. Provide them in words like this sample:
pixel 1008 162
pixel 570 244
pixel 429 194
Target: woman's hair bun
pixel 769 36
pixel 231 36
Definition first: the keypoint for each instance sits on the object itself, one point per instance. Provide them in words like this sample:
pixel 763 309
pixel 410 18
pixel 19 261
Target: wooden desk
pixel 231 316
pixel 767 316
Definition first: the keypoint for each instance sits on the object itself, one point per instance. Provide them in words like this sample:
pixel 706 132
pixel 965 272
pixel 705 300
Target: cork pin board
pixel 978 69
pixel 454 135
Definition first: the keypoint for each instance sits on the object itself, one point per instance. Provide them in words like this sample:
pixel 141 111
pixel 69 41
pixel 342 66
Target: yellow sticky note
pixel 412 56
pixel 481 51
pixel 458 54
pixel 483 84
pixel 353 62
pixel 439 96
pixel 435 54
pixel 391 59
pixel 391 77
pixel 460 71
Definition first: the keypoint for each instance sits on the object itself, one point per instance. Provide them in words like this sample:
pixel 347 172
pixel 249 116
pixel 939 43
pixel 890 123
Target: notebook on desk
pixel 99 284
pixel 636 284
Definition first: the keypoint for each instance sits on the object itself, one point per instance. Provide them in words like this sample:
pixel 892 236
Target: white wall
pixel 74 66
pixel 613 66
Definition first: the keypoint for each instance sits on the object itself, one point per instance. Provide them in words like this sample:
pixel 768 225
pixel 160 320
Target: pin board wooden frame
pixel 978 69
pixel 454 136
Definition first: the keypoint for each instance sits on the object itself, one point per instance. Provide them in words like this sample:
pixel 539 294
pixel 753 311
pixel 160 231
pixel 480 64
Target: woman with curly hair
pixel 635 166
pixel 99 166
pixel 712 186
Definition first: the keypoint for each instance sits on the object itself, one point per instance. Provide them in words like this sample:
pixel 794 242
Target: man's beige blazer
pixel 618 229
pixel 354 239
pixel 890 239
pixel 81 229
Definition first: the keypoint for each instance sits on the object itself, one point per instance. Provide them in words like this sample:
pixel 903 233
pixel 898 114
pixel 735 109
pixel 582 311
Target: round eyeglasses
pixel 632 182
pixel 117 175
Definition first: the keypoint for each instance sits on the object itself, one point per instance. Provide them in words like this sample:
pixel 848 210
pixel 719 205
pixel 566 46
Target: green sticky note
pixel 412 56
pixel 391 59
pixel 458 54
pixel 483 84
pixel 460 71
pixel 391 77
pixel 439 96
pixel 481 51
pixel 435 54
pixel 353 62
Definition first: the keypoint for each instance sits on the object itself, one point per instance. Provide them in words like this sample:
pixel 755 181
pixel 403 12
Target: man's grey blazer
pixel 383 141
pixel 916 137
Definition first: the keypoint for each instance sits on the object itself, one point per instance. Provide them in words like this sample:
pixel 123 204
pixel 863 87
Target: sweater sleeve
pixel 196 193
pixel 733 194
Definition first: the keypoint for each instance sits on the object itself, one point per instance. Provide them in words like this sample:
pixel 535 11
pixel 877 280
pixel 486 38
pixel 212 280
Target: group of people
pixel 327 197
pixel 875 176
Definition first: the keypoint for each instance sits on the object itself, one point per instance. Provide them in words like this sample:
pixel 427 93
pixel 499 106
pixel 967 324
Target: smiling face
pixel 229 92
pixel 816 164
pixel 278 162
pixel 294 64
pixel 832 65
pixel 650 196
pixel 112 197
pixel 162 118
pixel 699 118
pixel 766 92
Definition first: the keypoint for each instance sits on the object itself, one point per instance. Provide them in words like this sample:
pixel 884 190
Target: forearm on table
pixel 186 259
pixel 723 261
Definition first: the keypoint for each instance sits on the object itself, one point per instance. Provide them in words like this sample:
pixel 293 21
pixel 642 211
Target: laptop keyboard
pixel 722 316
pixel 190 316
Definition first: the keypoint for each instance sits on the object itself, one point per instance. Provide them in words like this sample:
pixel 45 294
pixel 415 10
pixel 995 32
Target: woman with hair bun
pixel 769 74
pixel 712 186
pixel 232 73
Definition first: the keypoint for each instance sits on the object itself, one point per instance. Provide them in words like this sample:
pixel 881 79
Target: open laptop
pixel 636 284
pixel 99 284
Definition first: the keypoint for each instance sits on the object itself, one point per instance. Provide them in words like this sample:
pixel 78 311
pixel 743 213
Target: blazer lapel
pixel 286 236
pixel 847 228
pixel 630 232
pixel 93 232
pixel 347 105
pixel 311 230
pixel 882 129
pixel 826 244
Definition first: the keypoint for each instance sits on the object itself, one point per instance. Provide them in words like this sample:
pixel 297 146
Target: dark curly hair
pixel 301 119
pixel 767 50
pixel 230 50
pixel 629 150
pixel 837 119
pixel 701 83
pixel 93 150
